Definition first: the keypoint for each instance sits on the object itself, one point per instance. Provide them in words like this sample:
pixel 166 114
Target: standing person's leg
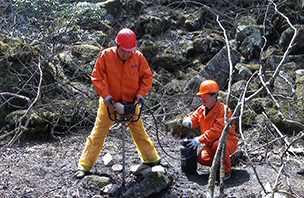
pixel 143 143
pixel 96 139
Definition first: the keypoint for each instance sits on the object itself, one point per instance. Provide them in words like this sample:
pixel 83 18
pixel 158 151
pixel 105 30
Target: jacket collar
pixel 213 110
pixel 114 48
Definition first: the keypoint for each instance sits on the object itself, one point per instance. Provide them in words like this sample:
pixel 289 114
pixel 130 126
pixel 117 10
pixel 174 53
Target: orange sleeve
pixel 145 77
pixel 195 117
pixel 98 77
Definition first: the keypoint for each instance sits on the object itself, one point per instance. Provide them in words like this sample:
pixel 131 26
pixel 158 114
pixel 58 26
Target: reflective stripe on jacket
pixel 123 81
pixel 212 124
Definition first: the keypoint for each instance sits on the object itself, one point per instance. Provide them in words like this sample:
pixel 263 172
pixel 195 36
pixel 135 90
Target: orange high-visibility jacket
pixel 212 124
pixel 123 81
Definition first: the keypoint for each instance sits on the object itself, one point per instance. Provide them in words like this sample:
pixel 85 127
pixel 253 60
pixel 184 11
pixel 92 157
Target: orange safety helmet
pixel 208 86
pixel 126 39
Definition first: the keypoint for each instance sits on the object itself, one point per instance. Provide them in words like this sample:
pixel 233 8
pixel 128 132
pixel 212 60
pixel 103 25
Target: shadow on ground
pixel 237 178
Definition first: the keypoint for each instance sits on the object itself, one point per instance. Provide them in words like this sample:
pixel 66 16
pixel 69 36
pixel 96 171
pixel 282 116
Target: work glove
pixel 140 98
pixel 120 108
pixel 187 122
pixel 107 101
pixel 194 143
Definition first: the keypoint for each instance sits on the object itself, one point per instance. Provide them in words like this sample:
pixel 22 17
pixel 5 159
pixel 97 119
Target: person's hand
pixel 140 98
pixel 194 143
pixel 187 122
pixel 107 101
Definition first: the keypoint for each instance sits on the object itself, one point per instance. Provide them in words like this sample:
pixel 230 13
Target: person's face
pixel 123 54
pixel 208 100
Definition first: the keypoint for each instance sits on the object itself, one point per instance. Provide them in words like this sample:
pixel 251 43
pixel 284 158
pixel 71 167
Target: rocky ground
pixel 45 168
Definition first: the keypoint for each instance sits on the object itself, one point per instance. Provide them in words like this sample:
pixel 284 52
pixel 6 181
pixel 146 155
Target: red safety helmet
pixel 208 86
pixel 126 39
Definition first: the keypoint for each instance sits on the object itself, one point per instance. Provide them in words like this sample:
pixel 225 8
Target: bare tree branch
pixel 21 128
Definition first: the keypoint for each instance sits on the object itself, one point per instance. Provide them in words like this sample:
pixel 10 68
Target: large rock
pixel 208 44
pixel 134 6
pixel 16 50
pixel 244 31
pixel 156 25
pixel 273 61
pixel 169 62
pixel 149 48
pixel 218 67
pixel 85 51
pixel 251 47
pixel 95 181
pixel 241 72
pixel 298 45
pixel 113 7
pixel 194 21
pixel 153 183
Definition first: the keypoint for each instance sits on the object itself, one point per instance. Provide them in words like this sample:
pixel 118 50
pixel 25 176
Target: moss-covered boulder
pixel 241 72
pixel 95 181
pixel 156 25
pixel 85 51
pixel 16 49
pixel 152 183
pixel 273 61
pixel 194 21
pixel 251 47
pixel 113 7
pixel 134 6
pixel 149 49
pixel 209 44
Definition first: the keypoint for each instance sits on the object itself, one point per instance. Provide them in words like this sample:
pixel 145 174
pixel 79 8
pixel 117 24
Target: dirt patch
pixel 46 169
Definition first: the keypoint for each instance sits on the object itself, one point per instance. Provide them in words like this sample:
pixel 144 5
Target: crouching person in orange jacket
pixel 121 73
pixel 210 118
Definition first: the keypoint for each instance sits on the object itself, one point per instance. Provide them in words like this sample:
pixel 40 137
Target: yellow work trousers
pixel 95 140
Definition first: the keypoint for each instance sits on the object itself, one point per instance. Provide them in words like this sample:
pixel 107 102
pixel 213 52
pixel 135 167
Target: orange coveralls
pixel 123 81
pixel 211 126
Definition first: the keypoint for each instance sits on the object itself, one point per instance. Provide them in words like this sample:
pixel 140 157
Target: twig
pixel 289 145
pixel 13 95
pixel 298 124
pixel 220 152
pixel 242 102
pixel 291 86
pixel 288 194
pixel 271 80
pixel 277 130
pixel 21 128
pixel 267 144
pixel 275 187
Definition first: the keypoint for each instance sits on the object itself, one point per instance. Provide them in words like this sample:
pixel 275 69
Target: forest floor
pixel 45 167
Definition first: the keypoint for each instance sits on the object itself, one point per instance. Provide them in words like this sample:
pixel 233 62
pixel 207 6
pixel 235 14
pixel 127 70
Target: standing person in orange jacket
pixel 121 73
pixel 210 118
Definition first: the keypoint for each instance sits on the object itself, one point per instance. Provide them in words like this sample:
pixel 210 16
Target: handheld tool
pixel 124 112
